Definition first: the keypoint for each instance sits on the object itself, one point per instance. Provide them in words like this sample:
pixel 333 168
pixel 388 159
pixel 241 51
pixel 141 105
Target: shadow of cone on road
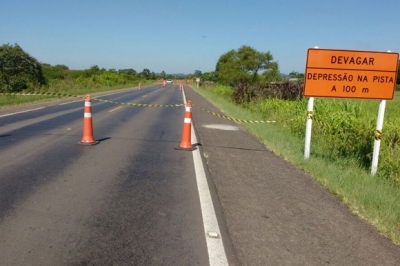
pixel 87 138
pixel 187 129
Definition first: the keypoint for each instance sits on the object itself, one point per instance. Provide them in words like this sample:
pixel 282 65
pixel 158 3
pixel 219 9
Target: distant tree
pixel 94 70
pixel 228 68
pixel 198 73
pixel 295 74
pixel 74 74
pixel 162 74
pixel 243 65
pixel 63 67
pixel 145 74
pixel 18 70
pixel 272 74
pixel 128 71
pixel 209 76
pixel 54 72
pixel 153 76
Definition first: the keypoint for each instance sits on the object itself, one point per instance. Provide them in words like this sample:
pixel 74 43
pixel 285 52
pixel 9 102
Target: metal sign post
pixel 378 135
pixel 307 144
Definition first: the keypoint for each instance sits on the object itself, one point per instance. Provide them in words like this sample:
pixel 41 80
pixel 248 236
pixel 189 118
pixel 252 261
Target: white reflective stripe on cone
pixel 87 115
pixel 88 103
pixel 187 121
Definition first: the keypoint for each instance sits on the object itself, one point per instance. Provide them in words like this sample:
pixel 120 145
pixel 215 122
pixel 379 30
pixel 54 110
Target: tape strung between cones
pixel 140 104
pixel 95 99
pixel 41 93
pixel 236 120
pixel 150 105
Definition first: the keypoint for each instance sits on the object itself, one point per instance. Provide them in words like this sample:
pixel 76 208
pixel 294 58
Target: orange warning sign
pixel 350 74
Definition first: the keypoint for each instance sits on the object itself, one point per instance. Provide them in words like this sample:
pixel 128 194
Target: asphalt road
pixel 130 200
pixel 133 199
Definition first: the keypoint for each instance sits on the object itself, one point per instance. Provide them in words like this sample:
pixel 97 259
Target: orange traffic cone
pixel 164 84
pixel 187 128
pixel 87 138
pixel 140 86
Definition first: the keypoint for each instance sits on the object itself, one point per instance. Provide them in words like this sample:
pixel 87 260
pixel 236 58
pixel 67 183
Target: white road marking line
pixel 58 104
pixel 221 127
pixel 216 251
pixel 30 110
pixel 112 93
pixel 215 246
pixel 22 112
pixel 71 102
pixel 115 109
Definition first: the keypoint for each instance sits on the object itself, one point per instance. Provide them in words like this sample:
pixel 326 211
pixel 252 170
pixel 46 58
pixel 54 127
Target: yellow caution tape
pixel 235 119
pixel 147 105
pixel 41 93
pixel 378 134
pixel 309 114
pixel 140 104
pixel 95 99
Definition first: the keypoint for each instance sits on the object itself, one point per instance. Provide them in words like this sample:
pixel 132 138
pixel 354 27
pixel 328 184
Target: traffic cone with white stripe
pixel 164 84
pixel 140 86
pixel 87 138
pixel 187 129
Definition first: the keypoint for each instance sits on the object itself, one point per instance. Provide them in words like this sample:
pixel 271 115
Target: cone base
pixel 185 149
pixel 88 143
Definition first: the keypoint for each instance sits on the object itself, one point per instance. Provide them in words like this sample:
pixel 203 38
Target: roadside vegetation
pixel 21 73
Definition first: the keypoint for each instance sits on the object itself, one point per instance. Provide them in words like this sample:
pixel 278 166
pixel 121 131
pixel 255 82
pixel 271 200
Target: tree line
pixel 244 65
pixel 20 71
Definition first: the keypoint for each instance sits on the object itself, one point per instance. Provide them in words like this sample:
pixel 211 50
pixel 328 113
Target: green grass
pixel 62 87
pixel 13 100
pixel 375 199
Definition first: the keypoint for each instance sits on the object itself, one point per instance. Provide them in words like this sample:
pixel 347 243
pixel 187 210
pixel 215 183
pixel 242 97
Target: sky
pixel 181 36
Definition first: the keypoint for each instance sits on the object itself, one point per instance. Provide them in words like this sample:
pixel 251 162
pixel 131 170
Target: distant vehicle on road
pixel 169 81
